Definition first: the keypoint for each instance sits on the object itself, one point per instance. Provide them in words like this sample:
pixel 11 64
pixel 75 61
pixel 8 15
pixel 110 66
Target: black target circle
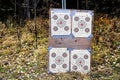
pixel 87 30
pixel 75 56
pixel 64 65
pixel 64 54
pixel 53 66
pixel 53 55
pixel 76 30
pixel 66 28
pixel 55 28
pixel 66 17
pixel 76 18
pixel 55 17
pixel 74 67
pixel 86 56
pixel 85 67
pixel 87 19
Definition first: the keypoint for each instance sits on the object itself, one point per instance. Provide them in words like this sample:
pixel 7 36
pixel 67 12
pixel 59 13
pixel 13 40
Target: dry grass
pixel 19 60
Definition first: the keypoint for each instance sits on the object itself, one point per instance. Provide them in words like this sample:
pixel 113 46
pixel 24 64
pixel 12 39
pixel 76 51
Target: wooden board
pixel 76 43
pixel 70 34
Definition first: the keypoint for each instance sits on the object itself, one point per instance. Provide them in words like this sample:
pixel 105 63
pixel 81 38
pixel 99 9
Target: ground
pixel 21 60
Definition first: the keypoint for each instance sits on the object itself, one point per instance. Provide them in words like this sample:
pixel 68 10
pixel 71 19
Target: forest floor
pixel 20 60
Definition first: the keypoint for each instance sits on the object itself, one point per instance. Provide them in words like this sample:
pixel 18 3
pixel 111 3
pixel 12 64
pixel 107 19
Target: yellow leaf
pixel 101 39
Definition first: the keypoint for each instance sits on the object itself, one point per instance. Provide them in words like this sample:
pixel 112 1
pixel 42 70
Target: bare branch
pixel 12 2
pixel 38 2
pixel 16 3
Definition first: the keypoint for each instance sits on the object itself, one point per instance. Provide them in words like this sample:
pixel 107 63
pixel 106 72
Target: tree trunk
pixel 28 9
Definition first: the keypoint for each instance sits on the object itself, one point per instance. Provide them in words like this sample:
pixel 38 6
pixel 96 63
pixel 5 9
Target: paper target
pixel 81 24
pixel 58 60
pixel 60 22
pixel 80 61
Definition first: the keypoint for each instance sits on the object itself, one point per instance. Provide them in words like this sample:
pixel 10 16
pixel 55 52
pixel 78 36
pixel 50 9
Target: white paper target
pixel 82 24
pixel 58 60
pixel 80 61
pixel 60 22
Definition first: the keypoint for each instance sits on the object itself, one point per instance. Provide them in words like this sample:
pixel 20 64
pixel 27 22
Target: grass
pixel 20 60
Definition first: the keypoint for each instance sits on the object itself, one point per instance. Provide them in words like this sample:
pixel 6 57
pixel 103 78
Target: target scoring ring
pixel 74 67
pixel 85 67
pixel 87 19
pixel 87 30
pixel 82 24
pixel 86 56
pixel 76 29
pixel 75 56
pixel 59 60
pixel 64 54
pixel 66 17
pixel 66 28
pixel 64 65
pixel 61 22
pixel 55 28
pixel 80 62
pixel 53 55
pixel 76 18
pixel 53 66
pixel 55 17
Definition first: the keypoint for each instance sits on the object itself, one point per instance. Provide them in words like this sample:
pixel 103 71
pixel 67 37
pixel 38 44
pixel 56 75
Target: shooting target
pixel 58 60
pixel 80 61
pixel 60 22
pixel 68 30
pixel 81 24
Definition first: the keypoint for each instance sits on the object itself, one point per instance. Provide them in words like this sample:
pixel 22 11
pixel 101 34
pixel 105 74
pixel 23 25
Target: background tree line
pixel 25 9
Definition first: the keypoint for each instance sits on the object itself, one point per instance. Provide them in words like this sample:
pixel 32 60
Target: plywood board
pixel 76 43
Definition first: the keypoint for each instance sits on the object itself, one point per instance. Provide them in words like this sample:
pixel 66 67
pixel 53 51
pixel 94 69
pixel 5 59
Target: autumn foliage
pixel 19 59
